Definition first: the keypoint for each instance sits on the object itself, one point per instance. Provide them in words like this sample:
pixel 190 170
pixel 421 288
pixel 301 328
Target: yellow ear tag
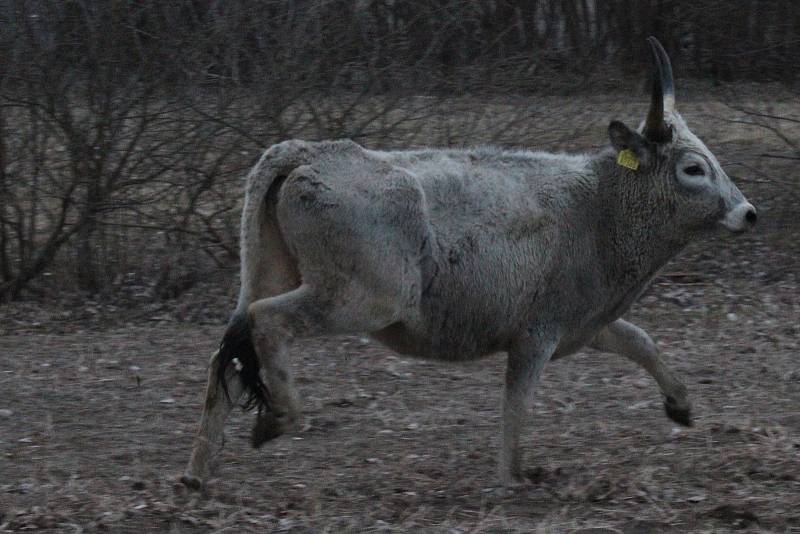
pixel 628 159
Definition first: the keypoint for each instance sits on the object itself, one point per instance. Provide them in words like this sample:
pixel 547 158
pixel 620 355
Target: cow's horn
pixel 663 96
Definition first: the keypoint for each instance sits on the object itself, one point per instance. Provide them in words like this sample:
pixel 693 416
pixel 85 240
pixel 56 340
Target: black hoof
pixel 682 416
pixel 191 482
pixel 268 427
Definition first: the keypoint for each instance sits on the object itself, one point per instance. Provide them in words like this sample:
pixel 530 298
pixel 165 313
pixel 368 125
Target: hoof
pixel 682 416
pixel 268 427
pixel 191 482
pixel 513 480
pixel 502 491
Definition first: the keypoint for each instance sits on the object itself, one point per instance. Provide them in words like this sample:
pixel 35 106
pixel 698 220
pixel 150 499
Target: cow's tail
pixel 237 349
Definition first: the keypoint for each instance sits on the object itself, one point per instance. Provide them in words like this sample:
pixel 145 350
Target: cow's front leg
pixel 210 437
pixel 525 363
pixel 632 342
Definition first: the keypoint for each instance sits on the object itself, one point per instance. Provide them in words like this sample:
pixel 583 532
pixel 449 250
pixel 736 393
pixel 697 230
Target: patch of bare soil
pixel 95 425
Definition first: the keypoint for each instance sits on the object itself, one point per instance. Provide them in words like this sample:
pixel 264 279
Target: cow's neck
pixel 634 232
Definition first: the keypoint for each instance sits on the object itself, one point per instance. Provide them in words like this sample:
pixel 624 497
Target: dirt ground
pixel 101 422
pixel 96 423
pixel 98 409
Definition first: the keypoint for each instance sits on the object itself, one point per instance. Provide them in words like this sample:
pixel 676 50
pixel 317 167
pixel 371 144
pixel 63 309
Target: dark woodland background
pixel 126 126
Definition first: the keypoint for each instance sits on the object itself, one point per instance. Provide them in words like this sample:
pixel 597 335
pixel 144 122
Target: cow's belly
pixel 420 343
pixel 468 329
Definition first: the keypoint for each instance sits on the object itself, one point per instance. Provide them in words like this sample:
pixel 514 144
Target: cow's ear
pixel 633 150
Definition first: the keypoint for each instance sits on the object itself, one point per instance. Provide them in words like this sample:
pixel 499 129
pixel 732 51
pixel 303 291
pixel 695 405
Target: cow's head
pixel 678 167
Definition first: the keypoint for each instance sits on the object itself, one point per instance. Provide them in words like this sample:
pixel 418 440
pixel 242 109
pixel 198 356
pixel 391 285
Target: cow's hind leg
pixel 632 342
pixel 209 440
pixel 302 312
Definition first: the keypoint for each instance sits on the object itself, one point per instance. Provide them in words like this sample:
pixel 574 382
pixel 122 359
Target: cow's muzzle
pixel 741 218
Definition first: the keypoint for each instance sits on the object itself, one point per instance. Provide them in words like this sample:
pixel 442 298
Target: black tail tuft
pixel 237 344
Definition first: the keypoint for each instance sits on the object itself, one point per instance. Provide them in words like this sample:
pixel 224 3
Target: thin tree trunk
pixel 86 262
pixel 5 266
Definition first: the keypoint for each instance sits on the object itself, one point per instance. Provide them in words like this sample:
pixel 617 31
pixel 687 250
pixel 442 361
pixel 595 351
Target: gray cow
pixel 458 254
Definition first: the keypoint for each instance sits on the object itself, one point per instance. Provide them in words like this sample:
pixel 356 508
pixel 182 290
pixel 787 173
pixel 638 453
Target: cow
pixel 459 254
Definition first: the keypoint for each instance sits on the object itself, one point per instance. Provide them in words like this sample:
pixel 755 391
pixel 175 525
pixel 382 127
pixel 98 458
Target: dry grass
pixel 102 421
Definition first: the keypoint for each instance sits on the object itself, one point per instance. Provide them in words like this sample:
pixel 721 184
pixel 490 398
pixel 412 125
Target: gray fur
pixel 458 254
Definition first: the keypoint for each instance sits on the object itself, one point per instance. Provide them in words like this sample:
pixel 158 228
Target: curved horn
pixel 663 96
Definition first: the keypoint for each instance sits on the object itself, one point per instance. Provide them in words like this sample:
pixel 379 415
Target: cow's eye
pixel 694 170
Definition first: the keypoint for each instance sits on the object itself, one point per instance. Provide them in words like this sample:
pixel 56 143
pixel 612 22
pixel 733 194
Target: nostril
pixel 751 216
